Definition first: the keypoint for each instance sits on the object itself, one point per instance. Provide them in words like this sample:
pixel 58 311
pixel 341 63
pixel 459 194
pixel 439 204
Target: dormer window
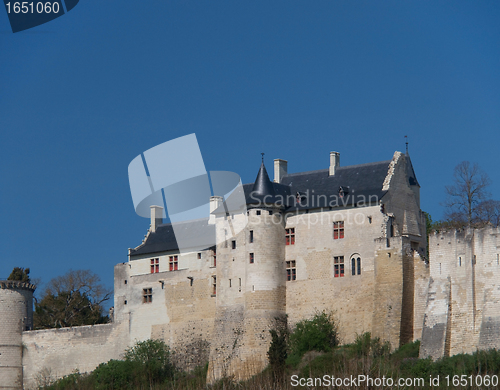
pixel 343 191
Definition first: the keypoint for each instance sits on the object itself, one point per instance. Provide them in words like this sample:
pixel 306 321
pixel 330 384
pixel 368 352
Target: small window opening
pixel 251 258
pixel 270 212
pixel 229 282
pixel 147 295
pixel 233 244
pixel 338 266
pixel 214 285
pixel 459 261
pixel 251 236
pixel 199 256
pixel 258 212
pixel 155 266
pixel 291 270
pixel 125 282
pixel 125 302
pixel 338 230
pixel 173 263
pixel 290 236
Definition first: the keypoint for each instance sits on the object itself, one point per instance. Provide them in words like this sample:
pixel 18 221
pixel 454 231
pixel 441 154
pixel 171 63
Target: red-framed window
pixel 338 230
pixel 173 263
pixel 291 271
pixel 338 266
pixel 155 266
pixel 290 236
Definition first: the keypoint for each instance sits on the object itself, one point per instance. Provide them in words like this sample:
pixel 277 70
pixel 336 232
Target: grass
pixel 367 356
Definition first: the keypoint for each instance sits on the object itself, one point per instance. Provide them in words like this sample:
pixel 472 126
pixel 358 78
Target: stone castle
pixel 348 240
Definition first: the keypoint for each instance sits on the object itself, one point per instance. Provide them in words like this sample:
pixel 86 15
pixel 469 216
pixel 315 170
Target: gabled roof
pixel 163 239
pixel 412 178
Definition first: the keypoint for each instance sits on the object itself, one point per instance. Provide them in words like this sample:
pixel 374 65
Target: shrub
pixel 152 360
pixel 277 352
pixel 316 334
pixel 114 375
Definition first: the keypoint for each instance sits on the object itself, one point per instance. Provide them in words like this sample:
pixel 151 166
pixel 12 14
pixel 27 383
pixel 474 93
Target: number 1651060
pixel 25 7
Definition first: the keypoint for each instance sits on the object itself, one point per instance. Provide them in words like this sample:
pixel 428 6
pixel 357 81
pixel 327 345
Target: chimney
pixel 334 162
pixel 215 203
pixel 280 169
pixel 156 217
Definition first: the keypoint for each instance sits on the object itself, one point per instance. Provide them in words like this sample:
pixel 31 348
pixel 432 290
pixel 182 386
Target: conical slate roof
pixel 263 185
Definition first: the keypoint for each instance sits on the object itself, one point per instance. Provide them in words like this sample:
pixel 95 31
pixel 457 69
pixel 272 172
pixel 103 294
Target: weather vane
pixel 406 139
pixel 262 157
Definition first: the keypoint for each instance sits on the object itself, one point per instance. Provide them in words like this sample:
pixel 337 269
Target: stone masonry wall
pixel 469 261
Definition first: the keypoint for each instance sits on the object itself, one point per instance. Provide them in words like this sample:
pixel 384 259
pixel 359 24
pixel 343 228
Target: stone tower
pixel 251 277
pixel 16 316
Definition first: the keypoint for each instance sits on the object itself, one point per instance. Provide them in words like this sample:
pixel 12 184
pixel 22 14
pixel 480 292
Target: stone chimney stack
pixel 280 169
pixel 215 203
pixel 334 162
pixel 156 217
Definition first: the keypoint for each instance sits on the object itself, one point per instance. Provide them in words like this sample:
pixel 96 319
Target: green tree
pixel 21 274
pixel 316 334
pixel 153 358
pixel 73 299
pixel 278 350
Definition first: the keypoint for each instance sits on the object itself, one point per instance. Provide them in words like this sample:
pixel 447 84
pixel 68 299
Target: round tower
pixel 265 284
pixel 16 316
pixel 251 284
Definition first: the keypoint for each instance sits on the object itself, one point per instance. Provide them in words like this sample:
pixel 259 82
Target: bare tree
pixel 466 194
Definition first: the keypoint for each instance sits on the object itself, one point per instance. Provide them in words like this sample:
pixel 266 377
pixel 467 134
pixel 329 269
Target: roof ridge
pixel 339 168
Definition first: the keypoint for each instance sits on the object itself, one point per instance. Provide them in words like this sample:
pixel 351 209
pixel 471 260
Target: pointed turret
pixel 263 185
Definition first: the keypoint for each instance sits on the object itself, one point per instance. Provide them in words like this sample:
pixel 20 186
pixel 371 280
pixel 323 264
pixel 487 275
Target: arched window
pixel 355 264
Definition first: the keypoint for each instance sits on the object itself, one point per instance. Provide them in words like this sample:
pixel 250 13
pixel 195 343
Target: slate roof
pixel 163 239
pixel 314 189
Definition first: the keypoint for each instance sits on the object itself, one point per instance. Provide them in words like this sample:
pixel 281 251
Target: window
pixel 291 272
pixel 270 212
pixel 338 266
pixel 355 265
pixel 199 256
pixel 173 263
pixel 233 244
pixel 338 230
pixel 251 258
pixel 214 285
pixel 147 295
pixel 251 236
pixel 258 212
pixel 214 264
pixel 155 266
pixel 290 236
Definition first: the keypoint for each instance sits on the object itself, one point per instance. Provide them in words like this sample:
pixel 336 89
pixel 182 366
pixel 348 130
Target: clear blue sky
pixel 82 95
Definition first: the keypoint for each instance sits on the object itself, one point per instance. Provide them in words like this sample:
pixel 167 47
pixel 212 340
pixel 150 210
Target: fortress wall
pixel 350 298
pixel 181 312
pixel 469 259
pixel 387 312
pixel 421 272
pixel 54 353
